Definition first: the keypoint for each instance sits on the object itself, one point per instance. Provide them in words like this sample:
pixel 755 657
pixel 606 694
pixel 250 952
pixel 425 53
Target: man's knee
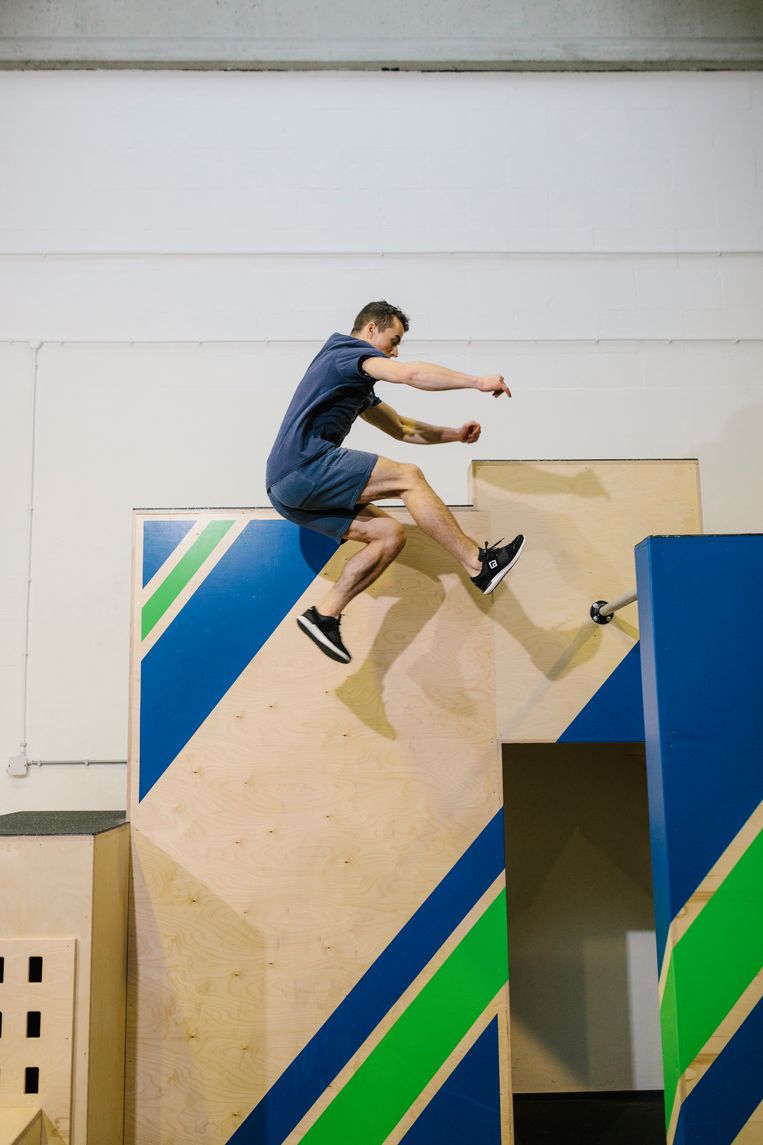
pixel 393 536
pixel 413 476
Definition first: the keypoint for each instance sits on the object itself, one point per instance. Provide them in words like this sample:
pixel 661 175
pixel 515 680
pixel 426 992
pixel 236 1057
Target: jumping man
pixel 313 481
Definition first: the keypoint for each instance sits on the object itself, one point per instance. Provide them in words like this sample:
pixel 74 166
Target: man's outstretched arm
pixel 414 432
pixel 428 376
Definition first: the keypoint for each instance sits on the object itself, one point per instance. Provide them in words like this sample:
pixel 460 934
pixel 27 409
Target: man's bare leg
pixel 394 479
pixel 384 539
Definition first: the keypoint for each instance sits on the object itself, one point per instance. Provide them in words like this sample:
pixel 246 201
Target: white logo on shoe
pixel 493 564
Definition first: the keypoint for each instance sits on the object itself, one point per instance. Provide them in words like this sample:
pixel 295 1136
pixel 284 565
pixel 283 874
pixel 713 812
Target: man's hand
pixel 493 384
pixel 469 432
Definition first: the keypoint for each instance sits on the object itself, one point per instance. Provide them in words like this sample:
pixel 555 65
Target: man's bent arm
pixel 414 432
pixel 428 376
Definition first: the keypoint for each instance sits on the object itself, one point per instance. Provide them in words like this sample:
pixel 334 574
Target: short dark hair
pixel 382 313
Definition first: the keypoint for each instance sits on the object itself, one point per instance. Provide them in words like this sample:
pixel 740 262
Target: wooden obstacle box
pixel 63 936
pixel 701 614
pixel 319 944
pixel 319 890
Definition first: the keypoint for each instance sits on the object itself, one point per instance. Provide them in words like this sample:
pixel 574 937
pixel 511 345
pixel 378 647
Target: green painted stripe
pixel 387 1083
pixel 189 564
pixel 712 965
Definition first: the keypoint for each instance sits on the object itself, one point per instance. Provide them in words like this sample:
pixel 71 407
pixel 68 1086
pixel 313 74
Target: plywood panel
pixel 75 886
pixel 304 823
pixel 108 987
pixel 50 997
pixel 582 521
pixel 49 894
pixel 20 1127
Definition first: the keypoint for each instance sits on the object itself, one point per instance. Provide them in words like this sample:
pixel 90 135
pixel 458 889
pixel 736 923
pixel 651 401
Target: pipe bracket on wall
pixel 602 611
pixel 18 765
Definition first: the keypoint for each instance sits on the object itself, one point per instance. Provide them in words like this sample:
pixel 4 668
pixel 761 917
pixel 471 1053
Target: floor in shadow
pixel 589 1118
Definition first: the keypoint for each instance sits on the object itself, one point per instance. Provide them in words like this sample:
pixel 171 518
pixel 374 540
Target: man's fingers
pixel 469 432
pixel 498 386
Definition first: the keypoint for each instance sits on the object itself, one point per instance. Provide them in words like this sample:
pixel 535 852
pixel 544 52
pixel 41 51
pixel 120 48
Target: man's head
pixel 381 324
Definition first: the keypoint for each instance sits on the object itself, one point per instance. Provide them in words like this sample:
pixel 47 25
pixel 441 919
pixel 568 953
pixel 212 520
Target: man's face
pixel 386 340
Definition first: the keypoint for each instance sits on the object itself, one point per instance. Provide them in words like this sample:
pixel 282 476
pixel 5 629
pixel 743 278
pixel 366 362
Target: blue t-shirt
pixel 333 392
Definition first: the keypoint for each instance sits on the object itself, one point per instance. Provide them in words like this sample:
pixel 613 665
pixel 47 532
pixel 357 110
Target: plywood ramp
pixel 582 520
pixel 318 947
pixel 20 1126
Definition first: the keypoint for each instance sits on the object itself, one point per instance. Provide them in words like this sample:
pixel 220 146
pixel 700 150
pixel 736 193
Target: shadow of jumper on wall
pixel 417 583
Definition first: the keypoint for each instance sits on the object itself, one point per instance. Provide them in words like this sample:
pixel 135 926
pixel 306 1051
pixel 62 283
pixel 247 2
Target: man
pixel 313 481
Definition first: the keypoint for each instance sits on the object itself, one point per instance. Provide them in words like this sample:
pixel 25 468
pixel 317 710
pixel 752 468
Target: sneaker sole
pixel 500 575
pixel 318 638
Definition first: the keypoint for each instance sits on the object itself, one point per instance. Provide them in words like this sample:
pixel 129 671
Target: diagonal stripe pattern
pixel 160 539
pixel 219 631
pixel 467 1106
pixel 345 1031
pixel 730 1092
pixel 711 966
pixel 174 583
pixel 396 1071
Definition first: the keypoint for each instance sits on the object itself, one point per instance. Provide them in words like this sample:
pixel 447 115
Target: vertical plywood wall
pixel 582 521
pixel 319 945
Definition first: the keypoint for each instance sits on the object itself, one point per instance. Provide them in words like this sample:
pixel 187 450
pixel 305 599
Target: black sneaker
pixel 324 630
pixel 496 562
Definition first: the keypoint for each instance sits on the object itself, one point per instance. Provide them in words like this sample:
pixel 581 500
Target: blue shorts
pixel 323 494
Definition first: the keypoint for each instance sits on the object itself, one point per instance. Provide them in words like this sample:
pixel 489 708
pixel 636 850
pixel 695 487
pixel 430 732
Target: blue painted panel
pixel 703 709
pixel 160 538
pixel 615 713
pixel 218 632
pixel 316 1066
pixel 467 1107
pixel 720 1104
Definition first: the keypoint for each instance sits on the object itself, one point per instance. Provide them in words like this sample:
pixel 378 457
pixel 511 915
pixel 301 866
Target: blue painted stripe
pixel 615 713
pixel 220 630
pixel 160 538
pixel 702 704
pixel 467 1107
pixel 326 1054
pixel 718 1107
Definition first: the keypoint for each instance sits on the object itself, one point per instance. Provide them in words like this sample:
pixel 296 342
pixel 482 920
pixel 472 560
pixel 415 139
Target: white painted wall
pixel 181 243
